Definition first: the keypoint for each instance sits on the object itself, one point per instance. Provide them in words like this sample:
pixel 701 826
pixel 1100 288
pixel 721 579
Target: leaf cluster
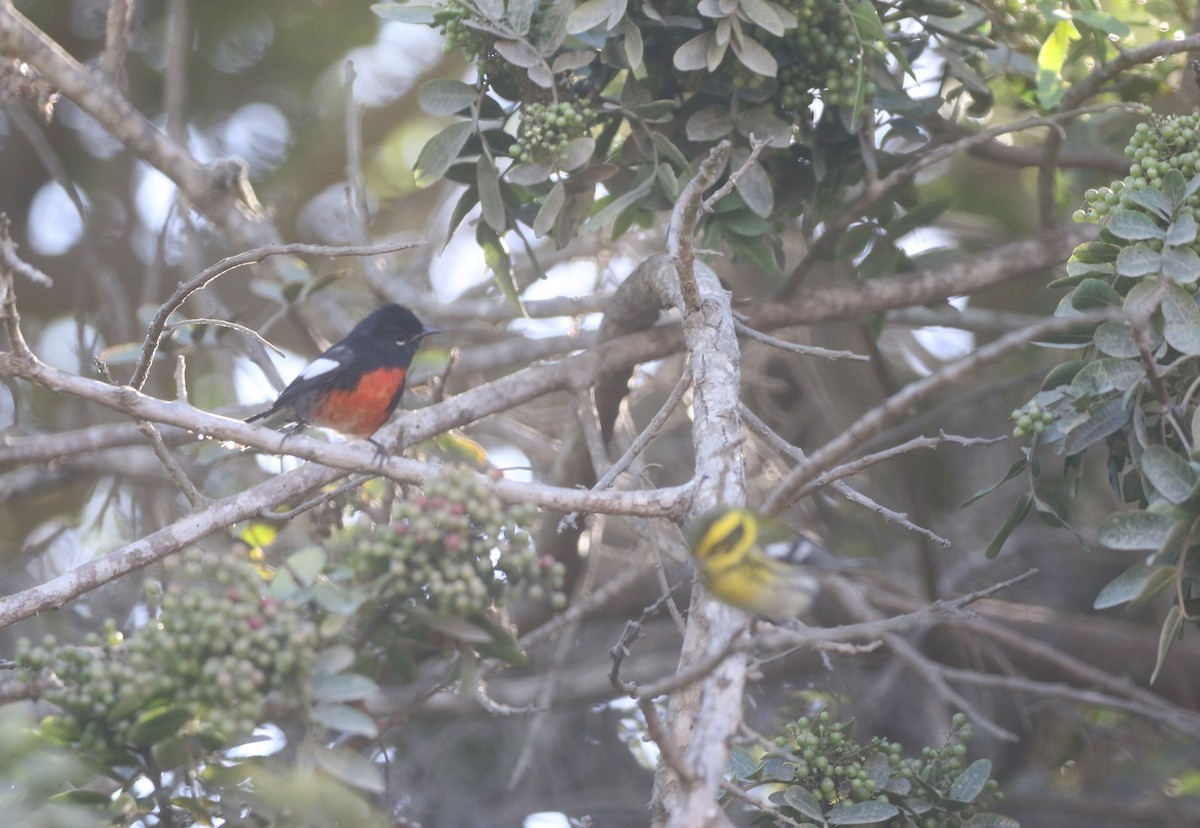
pixel 636 126
pixel 821 775
pixel 1134 387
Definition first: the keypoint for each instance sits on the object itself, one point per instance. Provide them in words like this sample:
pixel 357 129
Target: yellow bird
pixel 757 564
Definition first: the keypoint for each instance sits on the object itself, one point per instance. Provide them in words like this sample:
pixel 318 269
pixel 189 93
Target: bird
pixel 355 385
pixel 758 564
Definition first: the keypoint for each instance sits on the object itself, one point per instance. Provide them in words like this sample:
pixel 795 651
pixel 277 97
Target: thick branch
pixel 208 188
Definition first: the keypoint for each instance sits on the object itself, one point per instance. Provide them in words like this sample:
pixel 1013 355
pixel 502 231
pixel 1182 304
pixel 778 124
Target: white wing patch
pixel 319 366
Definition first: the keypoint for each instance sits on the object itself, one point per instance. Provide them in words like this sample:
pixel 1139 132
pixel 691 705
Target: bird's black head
pixel 394 324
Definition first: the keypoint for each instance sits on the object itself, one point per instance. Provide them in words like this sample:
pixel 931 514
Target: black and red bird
pixel 354 387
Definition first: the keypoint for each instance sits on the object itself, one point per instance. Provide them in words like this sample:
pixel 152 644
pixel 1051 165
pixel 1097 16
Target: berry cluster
pixel 547 128
pixel 205 666
pixel 829 762
pixel 451 19
pixel 1165 143
pixel 1031 419
pixel 823 54
pixel 456 549
pixel 836 768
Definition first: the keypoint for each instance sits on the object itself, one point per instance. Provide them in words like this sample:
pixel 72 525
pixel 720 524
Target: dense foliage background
pixel 493 625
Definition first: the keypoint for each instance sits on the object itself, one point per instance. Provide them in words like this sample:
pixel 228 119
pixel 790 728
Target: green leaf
pixel 861 813
pixel 1051 59
pixel 1136 531
pixel 1104 375
pixel 1174 189
pixel 867 22
pixel 333 659
pixel 306 564
pixel 754 56
pixel 445 96
pixel 342 687
pixel 1171 631
pixel 441 151
pixel 403 13
pixel 1115 339
pixel 520 14
pixel 803 802
pixel 349 767
pixel 543 222
pixel 1152 200
pixel 495 254
pixel 634 47
pixel 611 210
pixel 82 799
pixel 741 763
pixel 1138 260
pixel 989 820
pixel 592 13
pixel 919 215
pixel 1096 252
pixel 1063 373
pixel 1182 231
pixel 1178 305
pixel 693 55
pixel 969 784
pixel 763 15
pixel 1181 264
pixel 1104 419
pixel 578 152
pixel 709 124
pixel 761 123
pixel 1016 514
pixel 345 719
pixel 754 186
pixel 158 724
pixel 1049 507
pixel 1133 225
pixel 1093 294
pixel 1162 576
pixel 1101 21
pixel 1013 471
pixel 491 202
pixel 755 250
pixel 1127 586
pixel 775 769
pixel 518 53
pixel 1171 475
pixel 1183 337
pixel 669 151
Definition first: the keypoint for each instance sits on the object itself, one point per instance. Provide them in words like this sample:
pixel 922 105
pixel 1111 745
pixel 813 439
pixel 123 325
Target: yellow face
pixel 725 539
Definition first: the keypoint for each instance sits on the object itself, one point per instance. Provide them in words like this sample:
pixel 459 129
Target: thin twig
pixel 903 400
pixel 867 460
pixel 796 348
pixel 778 817
pixel 178 475
pixel 840 486
pixel 221 323
pixel 201 280
pixel 639 443
pixel 685 218
pixel 11 261
pixel 756 149
pixel 118 34
pixel 837 225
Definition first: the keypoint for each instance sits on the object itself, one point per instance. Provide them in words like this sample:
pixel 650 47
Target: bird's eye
pixel 735 535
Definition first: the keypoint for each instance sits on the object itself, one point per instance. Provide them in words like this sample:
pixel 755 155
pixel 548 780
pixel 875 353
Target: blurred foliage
pixel 1133 388
pixel 168 713
pixel 819 773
